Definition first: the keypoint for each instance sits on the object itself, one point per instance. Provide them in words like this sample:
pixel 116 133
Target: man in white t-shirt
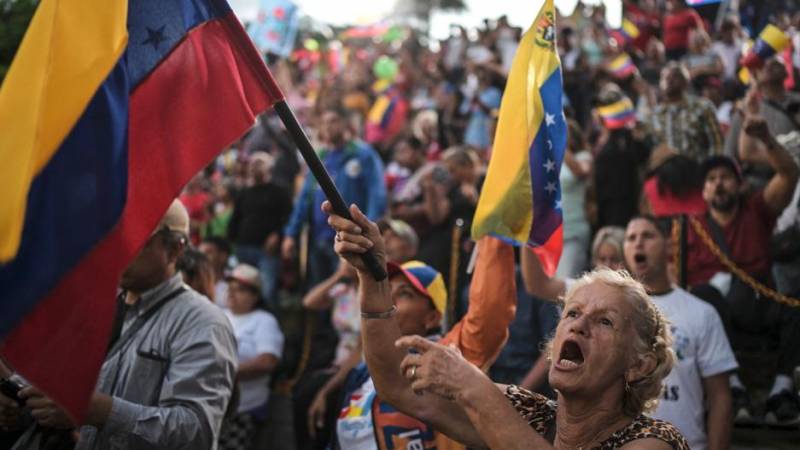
pixel 697 398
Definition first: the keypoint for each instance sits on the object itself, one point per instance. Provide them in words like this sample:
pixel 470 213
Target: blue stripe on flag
pixel 545 156
pixel 155 27
pixel 73 202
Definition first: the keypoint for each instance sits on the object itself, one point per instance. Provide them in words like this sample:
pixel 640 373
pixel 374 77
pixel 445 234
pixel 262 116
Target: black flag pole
pixel 323 178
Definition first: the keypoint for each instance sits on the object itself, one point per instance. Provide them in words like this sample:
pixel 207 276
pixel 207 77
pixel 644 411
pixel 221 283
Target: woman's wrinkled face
pixel 592 341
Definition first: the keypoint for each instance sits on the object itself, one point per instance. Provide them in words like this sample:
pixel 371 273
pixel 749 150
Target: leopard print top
pixel 540 413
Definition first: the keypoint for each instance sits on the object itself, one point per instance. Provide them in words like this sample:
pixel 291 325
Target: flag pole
pixel 323 178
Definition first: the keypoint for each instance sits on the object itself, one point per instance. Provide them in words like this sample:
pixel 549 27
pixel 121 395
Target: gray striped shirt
pixel 172 380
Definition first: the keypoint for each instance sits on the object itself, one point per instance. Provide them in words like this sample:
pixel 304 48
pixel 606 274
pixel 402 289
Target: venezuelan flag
pixel 770 41
pixel 622 66
pixel 629 29
pixel 108 109
pixel 521 198
pixel 618 114
pixel 627 33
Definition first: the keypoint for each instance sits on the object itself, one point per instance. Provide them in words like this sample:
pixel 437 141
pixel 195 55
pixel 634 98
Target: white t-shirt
pixel 257 332
pixel 354 426
pixel 221 293
pixel 703 351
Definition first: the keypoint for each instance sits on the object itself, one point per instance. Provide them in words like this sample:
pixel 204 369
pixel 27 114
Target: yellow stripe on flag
pixel 773 36
pixel 615 108
pixel 505 205
pixel 67 52
pixel 630 28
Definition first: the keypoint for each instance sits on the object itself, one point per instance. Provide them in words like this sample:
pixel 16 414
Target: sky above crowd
pixel 520 13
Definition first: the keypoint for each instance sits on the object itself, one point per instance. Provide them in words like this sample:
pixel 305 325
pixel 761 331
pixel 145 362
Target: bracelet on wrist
pixel 380 315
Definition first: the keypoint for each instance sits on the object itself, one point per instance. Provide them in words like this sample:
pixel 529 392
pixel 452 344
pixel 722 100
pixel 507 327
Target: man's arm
pixel 481 333
pixel 300 210
pixel 537 283
pixel 537 375
pixel 780 188
pixel 720 411
pixel 195 393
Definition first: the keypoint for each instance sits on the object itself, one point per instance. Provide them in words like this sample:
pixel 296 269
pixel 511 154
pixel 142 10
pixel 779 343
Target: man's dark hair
pixel 663 225
pixel 680 176
pixel 192 261
pixel 221 243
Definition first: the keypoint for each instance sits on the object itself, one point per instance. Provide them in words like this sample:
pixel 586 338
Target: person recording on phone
pixel 432 201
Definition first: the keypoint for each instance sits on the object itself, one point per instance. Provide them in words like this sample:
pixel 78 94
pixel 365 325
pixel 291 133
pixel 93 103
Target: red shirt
pixel 677 27
pixel 747 236
pixel 671 205
pixel 649 24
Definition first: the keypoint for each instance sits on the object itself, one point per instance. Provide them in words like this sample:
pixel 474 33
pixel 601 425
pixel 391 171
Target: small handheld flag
pixel 618 114
pixel 626 34
pixel 770 41
pixel 622 66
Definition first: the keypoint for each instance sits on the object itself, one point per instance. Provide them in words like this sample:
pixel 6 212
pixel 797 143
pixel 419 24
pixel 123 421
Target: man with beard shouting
pixel 739 226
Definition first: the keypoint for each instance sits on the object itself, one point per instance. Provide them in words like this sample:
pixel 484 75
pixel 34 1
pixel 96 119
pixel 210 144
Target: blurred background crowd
pixel 405 124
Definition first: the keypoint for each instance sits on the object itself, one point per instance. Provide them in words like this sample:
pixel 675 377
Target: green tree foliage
pixel 15 15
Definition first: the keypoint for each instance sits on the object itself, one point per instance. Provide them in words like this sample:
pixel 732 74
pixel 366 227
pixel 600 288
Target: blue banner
pixel 275 28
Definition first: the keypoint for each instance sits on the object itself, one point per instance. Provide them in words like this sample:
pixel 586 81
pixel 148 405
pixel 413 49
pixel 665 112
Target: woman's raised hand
pixel 436 368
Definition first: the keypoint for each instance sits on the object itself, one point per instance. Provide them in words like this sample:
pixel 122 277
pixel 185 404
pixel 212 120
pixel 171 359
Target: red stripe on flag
pixel 204 96
pixel 550 252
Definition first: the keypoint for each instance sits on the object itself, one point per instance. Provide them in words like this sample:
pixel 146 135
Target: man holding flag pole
pixel 86 180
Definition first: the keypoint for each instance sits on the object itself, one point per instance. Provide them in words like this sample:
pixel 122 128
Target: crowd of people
pixel 248 320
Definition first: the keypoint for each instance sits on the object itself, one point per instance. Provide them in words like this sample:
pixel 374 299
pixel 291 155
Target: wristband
pixel 380 315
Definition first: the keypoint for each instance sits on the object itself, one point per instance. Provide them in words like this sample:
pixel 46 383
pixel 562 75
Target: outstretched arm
pixel 537 283
pixel 483 331
pixel 379 335
pixel 780 188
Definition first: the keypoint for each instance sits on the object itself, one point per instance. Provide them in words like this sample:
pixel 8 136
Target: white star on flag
pixel 558 204
pixel 549 144
pixel 550 187
pixel 549 119
pixel 550 165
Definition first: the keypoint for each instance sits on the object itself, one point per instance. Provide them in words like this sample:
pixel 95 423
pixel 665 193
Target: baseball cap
pixel 425 279
pixel 264 157
pixel 247 275
pixel 721 161
pixel 175 219
pixel 403 230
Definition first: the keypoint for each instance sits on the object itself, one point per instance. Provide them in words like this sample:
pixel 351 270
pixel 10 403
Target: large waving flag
pixel 521 197
pixel 108 109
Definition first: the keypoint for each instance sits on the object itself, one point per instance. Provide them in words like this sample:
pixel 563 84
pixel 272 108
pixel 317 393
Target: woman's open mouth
pixel 571 356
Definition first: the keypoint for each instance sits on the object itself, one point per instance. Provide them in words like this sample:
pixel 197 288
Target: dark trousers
pixel 756 324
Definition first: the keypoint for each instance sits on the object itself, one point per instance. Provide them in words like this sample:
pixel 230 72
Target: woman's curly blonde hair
pixel 652 336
